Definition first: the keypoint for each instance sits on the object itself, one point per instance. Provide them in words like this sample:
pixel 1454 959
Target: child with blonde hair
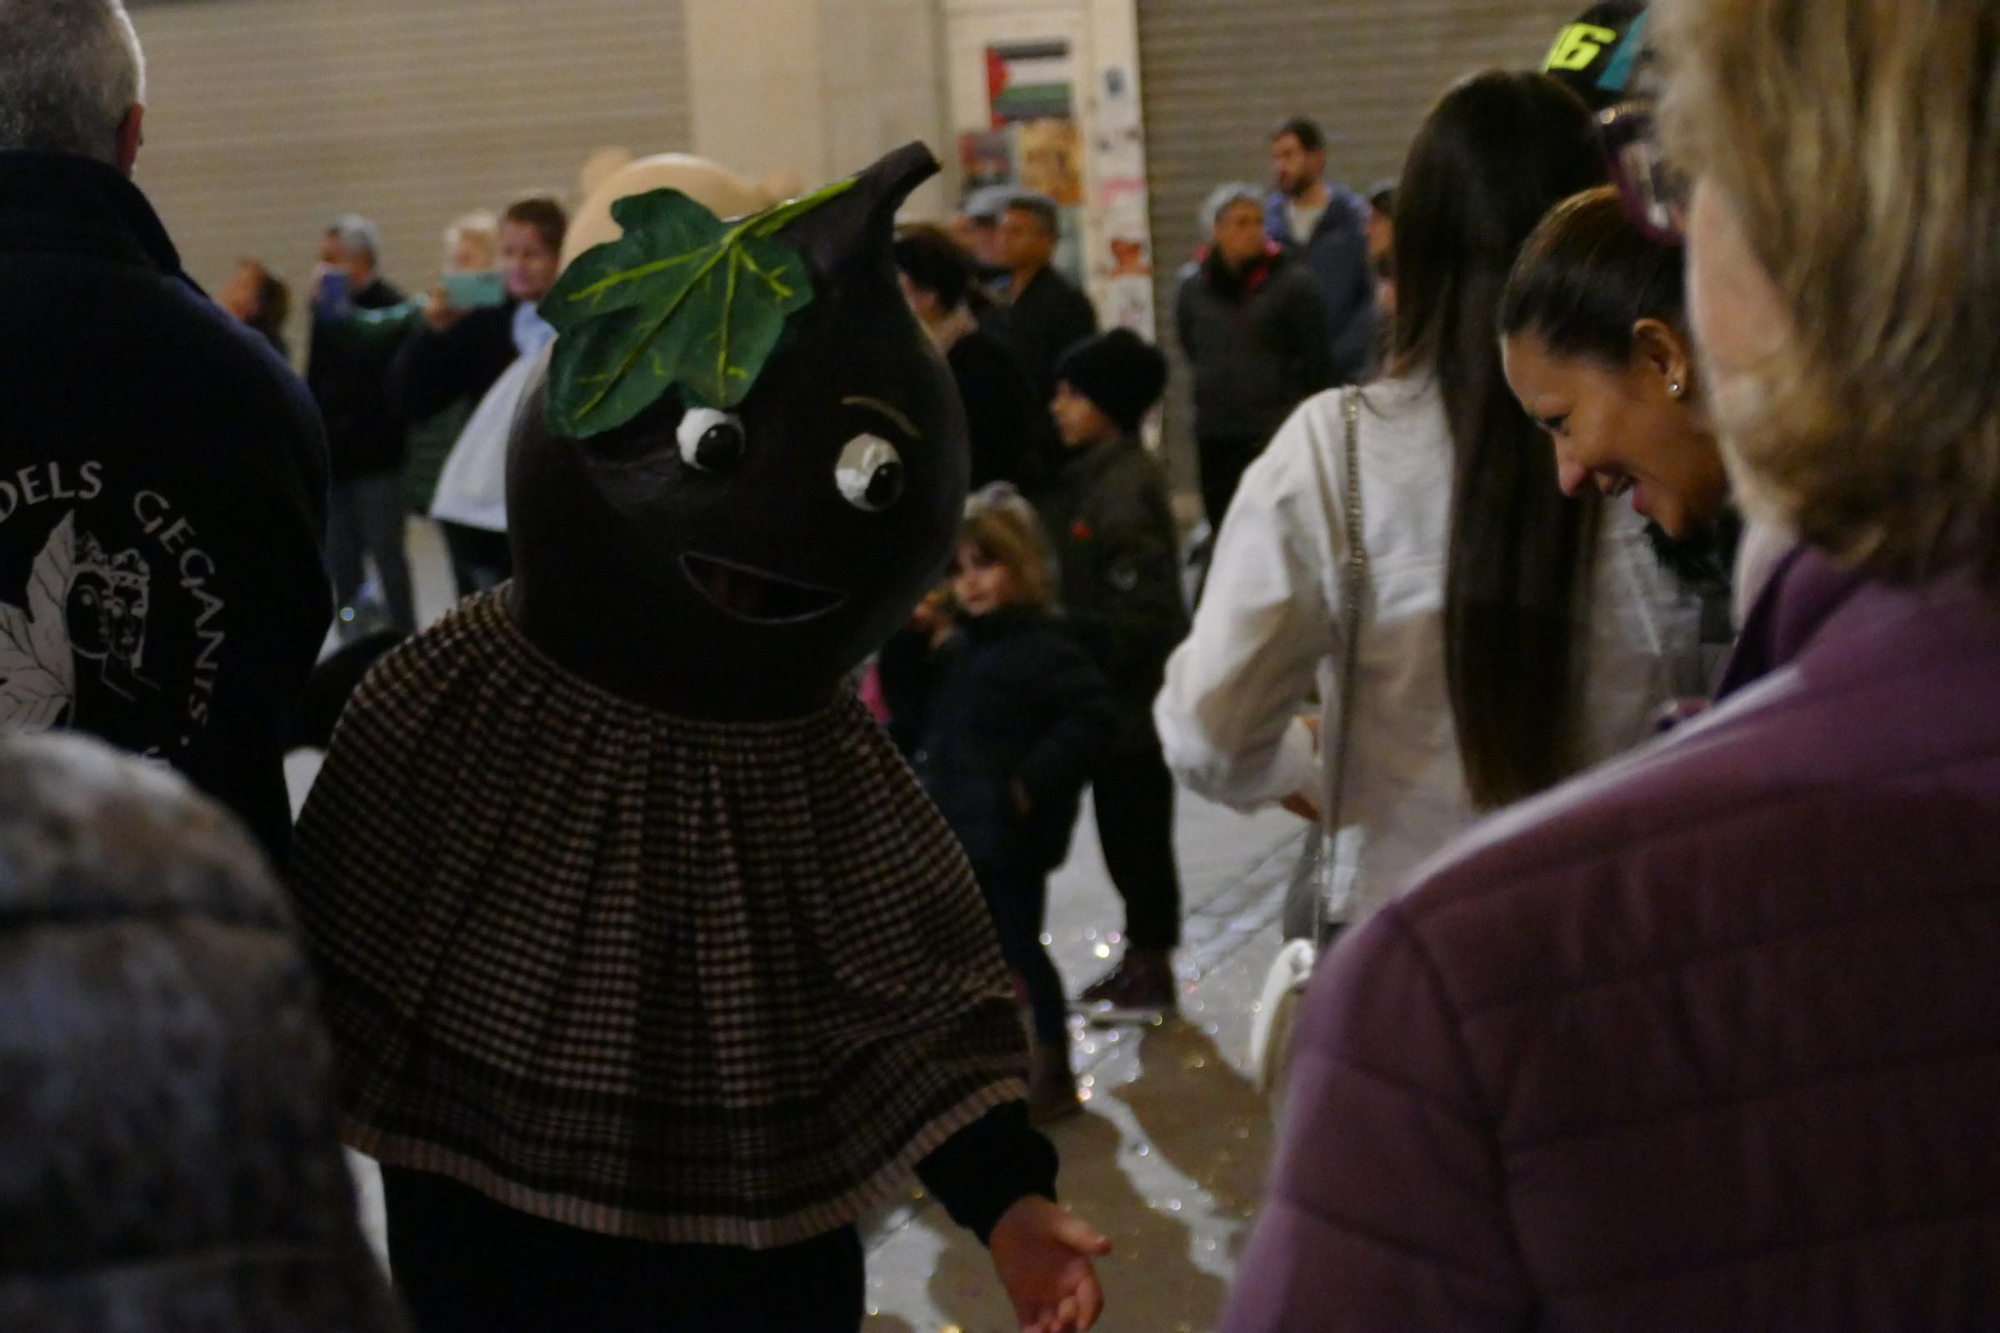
pixel 1004 714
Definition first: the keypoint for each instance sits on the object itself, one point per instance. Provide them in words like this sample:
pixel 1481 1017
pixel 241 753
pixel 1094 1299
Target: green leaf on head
pixel 683 300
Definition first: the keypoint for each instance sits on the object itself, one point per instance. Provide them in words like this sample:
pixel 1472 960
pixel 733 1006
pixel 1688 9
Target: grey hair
pixel 1223 197
pixel 70 72
pixel 357 233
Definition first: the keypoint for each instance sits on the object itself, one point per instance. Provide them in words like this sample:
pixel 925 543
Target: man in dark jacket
pixel 1325 225
pixel 1108 515
pixel 1047 314
pixel 162 472
pixel 366 437
pixel 1012 433
pixel 1253 328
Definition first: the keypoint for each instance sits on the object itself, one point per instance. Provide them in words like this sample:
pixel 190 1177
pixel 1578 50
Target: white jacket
pixel 1269 625
pixel 472 488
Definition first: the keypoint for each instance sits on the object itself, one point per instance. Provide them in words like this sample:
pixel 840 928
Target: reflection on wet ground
pixel 1169 1158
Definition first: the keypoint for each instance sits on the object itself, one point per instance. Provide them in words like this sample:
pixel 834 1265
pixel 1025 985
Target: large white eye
pixel 711 441
pixel 870 473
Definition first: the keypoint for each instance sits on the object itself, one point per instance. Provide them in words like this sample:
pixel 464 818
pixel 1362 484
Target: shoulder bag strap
pixel 1353 596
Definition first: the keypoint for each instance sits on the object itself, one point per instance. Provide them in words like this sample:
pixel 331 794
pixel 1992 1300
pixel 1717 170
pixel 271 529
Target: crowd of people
pixel 1603 529
pixel 398 381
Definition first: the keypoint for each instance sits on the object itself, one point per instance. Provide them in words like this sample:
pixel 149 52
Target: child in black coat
pixel 1004 715
pixel 1108 512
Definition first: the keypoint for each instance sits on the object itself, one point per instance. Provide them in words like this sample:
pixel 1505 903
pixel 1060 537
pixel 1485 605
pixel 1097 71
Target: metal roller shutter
pixel 1219 74
pixel 267 117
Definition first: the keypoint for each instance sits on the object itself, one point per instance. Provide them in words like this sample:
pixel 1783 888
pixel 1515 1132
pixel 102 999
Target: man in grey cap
pixel 976 228
pixel 1047 314
pixel 365 438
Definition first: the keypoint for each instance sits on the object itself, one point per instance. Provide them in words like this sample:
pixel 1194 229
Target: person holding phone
pixel 474 327
pixel 471 269
pixel 365 438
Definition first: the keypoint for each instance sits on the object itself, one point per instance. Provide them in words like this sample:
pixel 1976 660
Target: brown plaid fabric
pixel 683 981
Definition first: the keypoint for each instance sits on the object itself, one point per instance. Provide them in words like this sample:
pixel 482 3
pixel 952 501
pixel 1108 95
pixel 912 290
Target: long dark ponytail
pixel 1496 154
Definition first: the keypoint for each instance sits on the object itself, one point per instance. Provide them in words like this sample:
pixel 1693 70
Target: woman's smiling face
pixel 1635 430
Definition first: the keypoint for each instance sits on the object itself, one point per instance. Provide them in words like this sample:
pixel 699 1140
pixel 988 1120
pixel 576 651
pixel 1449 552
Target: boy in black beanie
pixel 1107 512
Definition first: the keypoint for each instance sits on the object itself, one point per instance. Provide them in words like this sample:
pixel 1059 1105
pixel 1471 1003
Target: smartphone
pixel 475 291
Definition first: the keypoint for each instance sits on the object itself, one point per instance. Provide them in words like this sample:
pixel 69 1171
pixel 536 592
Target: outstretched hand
pixel 439 312
pixel 1042 1252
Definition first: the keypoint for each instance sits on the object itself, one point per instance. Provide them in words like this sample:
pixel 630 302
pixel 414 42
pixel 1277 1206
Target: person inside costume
pixel 649 967
pixel 1004 714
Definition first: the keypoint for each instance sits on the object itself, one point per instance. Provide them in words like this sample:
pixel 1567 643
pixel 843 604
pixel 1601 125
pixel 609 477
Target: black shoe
pixel 1142 987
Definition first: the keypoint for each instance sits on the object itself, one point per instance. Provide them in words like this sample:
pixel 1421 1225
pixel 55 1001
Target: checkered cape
pixel 682 981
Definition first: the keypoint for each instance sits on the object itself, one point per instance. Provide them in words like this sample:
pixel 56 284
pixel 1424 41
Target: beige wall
pixel 816 87
pixel 267 117
pixel 755 86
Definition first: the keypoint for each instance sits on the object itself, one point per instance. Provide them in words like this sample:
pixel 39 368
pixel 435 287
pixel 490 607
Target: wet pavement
pixel 1169 1157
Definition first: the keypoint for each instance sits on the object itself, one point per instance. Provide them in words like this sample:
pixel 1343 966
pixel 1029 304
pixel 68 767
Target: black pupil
pixel 720 447
pixel 886 486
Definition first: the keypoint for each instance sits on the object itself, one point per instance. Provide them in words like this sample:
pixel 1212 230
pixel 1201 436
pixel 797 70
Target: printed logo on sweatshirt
pixel 109 621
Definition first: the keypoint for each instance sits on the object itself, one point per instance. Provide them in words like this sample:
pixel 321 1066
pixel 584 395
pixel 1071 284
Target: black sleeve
pixel 1078 718
pixel 988 1167
pixel 1001 416
pixel 906 669
pixel 1079 321
pixel 1184 315
pixel 1311 337
pixel 1138 562
pixel 434 370
pixel 261 491
pixel 1350 313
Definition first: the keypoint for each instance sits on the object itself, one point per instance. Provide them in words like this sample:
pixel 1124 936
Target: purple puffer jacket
pixel 1708 1040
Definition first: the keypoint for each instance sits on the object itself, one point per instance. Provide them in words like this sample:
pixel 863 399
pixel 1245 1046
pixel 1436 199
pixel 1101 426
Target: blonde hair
pixel 1859 144
pixel 480 227
pixel 1001 526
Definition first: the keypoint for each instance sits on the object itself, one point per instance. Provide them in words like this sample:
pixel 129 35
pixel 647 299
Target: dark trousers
pixel 1018 900
pixel 1223 460
pixel 465 1264
pixel 479 559
pixel 365 518
pixel 1134 797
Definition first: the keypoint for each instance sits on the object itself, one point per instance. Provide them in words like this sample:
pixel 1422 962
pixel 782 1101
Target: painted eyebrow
pixel 908 426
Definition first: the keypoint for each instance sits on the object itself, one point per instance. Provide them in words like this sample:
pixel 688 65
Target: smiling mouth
pixel 756 596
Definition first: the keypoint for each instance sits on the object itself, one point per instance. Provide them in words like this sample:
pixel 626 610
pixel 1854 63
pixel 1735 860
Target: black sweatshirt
pixel 163 495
